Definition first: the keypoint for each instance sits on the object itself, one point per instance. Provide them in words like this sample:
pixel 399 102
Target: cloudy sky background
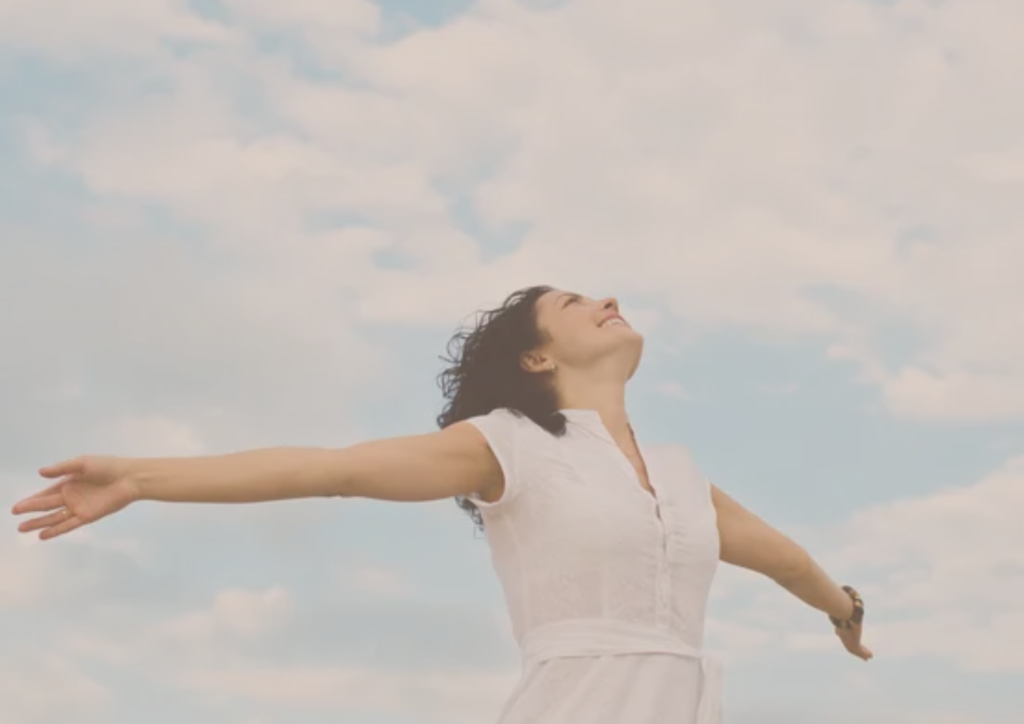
pixel 227 224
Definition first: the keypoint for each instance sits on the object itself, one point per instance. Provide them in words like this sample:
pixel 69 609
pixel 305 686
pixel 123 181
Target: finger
pixel 861 652
pixel 75 466
pixel 46 491
pixel 44 521
pixel 39 503
pixel 66 526
pixel 851 642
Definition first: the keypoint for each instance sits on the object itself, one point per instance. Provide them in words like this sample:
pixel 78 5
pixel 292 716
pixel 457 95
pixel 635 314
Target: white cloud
pixel 23 578
pixel 845 171
pixel 45 688
pixel 52 579
pixel 943 578
pixel 101 27
pixel 673 389
pixel 377 581
pixel 914 392
pixel 864 709
pixel 734 166
pixel 433 696
pixel 152 436
pixel 333 19
pixel 223 649
pixel 951 565
pixel 234 613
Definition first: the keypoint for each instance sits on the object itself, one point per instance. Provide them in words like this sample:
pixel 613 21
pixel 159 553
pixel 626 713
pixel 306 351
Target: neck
pixel 607 397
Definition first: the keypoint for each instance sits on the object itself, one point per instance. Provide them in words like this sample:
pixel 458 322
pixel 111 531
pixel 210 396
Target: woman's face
pixel 581 332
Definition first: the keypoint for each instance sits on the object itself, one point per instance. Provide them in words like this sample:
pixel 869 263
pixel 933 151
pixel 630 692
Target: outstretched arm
pixel 448 463
pixel 444 464
pixel 749 542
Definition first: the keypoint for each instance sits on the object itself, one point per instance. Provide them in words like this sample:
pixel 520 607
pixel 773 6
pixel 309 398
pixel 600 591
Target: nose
pixel 610 303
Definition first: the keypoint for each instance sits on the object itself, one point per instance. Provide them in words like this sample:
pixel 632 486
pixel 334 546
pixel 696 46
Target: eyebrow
pixel 570 297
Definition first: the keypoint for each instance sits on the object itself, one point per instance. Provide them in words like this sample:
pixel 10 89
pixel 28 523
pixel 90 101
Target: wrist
pixel 138 475
pixel 853 610
pixel 840 606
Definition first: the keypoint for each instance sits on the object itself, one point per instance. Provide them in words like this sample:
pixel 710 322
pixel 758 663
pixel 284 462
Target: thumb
pixel 75 466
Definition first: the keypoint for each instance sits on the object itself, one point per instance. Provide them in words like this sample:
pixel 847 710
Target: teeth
pixel 612 321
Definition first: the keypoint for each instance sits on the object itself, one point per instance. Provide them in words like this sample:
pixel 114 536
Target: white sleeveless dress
pixel 606 585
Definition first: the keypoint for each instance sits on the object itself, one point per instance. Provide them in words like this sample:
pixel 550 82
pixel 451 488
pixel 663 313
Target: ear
pixel 536 361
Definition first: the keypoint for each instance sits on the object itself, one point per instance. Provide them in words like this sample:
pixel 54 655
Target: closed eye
pixel 571 299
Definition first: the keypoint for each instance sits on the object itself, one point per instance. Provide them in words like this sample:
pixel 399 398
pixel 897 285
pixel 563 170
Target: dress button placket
pixel 662 582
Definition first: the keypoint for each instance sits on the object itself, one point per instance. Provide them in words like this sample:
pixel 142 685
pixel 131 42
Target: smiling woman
pixel 510 358
pixel 606 549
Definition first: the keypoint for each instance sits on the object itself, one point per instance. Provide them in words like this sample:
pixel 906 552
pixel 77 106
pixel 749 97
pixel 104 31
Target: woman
pixel 605 550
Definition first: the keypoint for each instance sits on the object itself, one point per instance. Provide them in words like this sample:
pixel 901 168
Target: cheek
pixel 577 342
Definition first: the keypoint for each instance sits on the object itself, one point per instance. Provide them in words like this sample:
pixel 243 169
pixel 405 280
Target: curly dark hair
pixel 484 371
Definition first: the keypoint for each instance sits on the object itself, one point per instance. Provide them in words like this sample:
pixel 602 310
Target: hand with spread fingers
pixel 87 489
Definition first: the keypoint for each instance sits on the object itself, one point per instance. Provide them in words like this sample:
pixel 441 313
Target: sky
pixel 228 224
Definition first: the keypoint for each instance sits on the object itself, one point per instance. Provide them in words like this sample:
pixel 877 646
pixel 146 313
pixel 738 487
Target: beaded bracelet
pixel 858 611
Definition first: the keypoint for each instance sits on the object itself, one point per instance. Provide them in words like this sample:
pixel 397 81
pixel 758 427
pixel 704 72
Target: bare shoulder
pixel 720 499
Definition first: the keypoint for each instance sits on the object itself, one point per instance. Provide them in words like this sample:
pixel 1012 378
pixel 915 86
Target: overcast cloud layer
pixel 237 223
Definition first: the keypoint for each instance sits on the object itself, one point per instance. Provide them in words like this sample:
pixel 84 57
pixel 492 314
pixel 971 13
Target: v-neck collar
pixel 591 421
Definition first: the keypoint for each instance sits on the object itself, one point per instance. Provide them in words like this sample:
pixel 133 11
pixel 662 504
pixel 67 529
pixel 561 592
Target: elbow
pixel 795 567
pixel 326 473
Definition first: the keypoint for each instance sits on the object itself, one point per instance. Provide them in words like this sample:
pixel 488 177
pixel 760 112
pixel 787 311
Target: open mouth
pixel 614 322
